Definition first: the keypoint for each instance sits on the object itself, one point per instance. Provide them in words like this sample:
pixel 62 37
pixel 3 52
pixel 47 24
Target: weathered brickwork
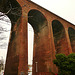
pixel 52 35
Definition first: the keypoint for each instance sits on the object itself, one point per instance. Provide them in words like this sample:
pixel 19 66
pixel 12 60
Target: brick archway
pixel 59 37
pixel 40 26
pixel 71 33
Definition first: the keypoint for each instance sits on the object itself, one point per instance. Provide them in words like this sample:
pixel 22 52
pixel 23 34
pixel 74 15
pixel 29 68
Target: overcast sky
pixel 5 28
pixel 62 8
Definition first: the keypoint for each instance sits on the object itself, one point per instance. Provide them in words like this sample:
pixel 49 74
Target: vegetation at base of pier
pixel 65 64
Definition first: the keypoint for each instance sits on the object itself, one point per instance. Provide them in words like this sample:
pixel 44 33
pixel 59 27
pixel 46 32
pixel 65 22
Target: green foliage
pixel 66 64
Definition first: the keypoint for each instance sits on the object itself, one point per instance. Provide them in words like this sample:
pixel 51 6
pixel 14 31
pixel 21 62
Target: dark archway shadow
pixel 71 33
pixel 59 37
pixel 37 20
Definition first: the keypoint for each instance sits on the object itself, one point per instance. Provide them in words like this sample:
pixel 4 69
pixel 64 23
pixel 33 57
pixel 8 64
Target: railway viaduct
pixel 52 35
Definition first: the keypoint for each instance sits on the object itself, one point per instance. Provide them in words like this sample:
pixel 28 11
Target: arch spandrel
pixel 22 2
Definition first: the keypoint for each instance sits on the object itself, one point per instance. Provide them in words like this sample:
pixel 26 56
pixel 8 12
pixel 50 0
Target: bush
pixel 65 64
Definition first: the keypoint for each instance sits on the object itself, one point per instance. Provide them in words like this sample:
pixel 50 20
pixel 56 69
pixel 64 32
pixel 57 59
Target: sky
pixel 5 28
pixel 62 8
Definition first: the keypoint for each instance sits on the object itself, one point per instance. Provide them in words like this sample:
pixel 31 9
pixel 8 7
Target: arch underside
pixel 59 37
pixel 37 20
pixel 71 32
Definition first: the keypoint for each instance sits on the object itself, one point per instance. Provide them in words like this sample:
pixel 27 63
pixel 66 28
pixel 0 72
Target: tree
pixel 65 64
pixel 1 64
pixel 13 10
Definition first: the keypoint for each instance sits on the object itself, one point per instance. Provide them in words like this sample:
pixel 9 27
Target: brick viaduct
pixel 52 35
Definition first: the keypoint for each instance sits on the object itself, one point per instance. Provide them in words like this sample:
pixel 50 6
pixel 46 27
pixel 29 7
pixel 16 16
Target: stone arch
pixel 59 37
pixel 37 20
pixel 40 26
pixel 71 33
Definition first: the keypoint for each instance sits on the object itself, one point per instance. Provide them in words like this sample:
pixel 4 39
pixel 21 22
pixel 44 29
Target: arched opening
pixel 71 32
pixel 59 37
pixel 5 27
pixel 39 24
pixel 37 20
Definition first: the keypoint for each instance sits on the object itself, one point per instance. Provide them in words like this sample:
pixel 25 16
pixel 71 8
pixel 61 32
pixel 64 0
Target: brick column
pixel 68 40
pixel 54 68
pixel 23 54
